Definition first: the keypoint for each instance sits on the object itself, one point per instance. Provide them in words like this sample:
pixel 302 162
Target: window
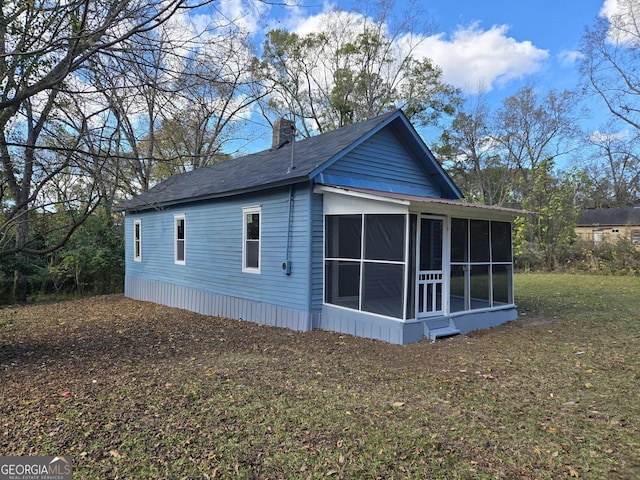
pixel 179 229
pixel 137 240
pixel 365 262
pixel 635 237
pixel 481 264
pixel 251 239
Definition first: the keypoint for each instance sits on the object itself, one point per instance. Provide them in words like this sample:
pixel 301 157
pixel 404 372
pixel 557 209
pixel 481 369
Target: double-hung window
pixel 137 240
pixel 180 238
pixel 251 239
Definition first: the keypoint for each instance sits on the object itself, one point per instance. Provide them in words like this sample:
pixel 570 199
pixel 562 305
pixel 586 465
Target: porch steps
pixel 447 329
pixel 442 332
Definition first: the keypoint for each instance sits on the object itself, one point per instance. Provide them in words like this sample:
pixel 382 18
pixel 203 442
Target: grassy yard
pixel 135 390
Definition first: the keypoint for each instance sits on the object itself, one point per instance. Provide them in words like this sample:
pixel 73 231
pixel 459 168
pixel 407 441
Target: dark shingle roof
pixel 609 216
pixel 269 168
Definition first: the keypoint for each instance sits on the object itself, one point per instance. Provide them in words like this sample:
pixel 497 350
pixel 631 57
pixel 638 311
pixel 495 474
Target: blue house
pixel 358 230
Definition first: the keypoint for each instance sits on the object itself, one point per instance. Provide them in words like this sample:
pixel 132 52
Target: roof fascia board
pixel 352 193
pixel 434 205
pixel 204 198
pixel 479 212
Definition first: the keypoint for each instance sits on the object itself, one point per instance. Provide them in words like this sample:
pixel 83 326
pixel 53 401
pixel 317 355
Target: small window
pixel 179 228
pixel 251 239
pixel 137 240
pixel 635 237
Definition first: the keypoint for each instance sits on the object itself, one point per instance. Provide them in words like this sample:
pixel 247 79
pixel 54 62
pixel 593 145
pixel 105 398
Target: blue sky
pixel 518 40
pixel 490 45
pixel 551 26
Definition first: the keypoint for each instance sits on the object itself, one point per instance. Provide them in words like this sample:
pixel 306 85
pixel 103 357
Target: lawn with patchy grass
pixel 136 390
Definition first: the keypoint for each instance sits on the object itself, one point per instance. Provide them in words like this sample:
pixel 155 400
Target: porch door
pixel 430 280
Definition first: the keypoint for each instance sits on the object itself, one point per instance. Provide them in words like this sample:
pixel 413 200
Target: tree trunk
pixel 20 284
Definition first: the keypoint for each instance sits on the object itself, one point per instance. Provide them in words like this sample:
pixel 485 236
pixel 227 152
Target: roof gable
pixel 407 143
pixel 299 161
pixel 382 162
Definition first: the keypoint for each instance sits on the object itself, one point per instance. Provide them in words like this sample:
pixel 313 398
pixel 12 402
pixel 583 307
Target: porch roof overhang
pixel 434 205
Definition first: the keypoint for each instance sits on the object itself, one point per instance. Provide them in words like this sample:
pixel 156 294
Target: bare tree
pixel 531 128
pixel 214 90
pixel 615 169
pixel 45 49
pixel 610 58
pixel 471 154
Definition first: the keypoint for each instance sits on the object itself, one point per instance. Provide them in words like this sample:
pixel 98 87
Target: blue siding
pixel 382 163
pixel 208 303
pixel 213 249
pixel 317 253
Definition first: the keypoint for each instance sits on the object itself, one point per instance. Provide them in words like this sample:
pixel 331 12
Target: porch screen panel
pixel 344 236
pixel 382 289
pixel 501 242
pixel 481 264
pixel 479 241
pixel 430 244
pixel 459 240
pixel 502 281
pixel 364 262
pixel 342 283
pixel 384 237
pixel 480 287
pixel 343 247
pixel 411 279
pixel 457 288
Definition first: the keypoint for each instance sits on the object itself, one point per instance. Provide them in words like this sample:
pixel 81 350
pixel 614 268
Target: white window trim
pixel 246 211
pixel 137 240
pixel 176 218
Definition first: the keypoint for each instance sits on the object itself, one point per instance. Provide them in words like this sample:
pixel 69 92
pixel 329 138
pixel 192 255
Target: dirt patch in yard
pixel 136 390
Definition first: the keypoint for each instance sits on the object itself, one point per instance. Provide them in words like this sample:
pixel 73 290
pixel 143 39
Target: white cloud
pixel 339 23
pixel 471 59
pixel 609 8
pixel 474 59
pixel 569 57
pixel 599 137
pixel 622 16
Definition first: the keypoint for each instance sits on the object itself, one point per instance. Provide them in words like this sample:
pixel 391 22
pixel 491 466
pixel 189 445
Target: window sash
pixel 251 239
pixel 180 224
pixel 137 240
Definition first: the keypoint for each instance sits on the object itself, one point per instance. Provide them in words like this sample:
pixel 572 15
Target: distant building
pixel 608 225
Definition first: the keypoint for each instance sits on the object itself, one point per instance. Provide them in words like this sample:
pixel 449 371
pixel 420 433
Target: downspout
pixel 286 266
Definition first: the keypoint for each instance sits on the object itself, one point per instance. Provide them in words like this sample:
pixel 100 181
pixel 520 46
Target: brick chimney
pixel 284 131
